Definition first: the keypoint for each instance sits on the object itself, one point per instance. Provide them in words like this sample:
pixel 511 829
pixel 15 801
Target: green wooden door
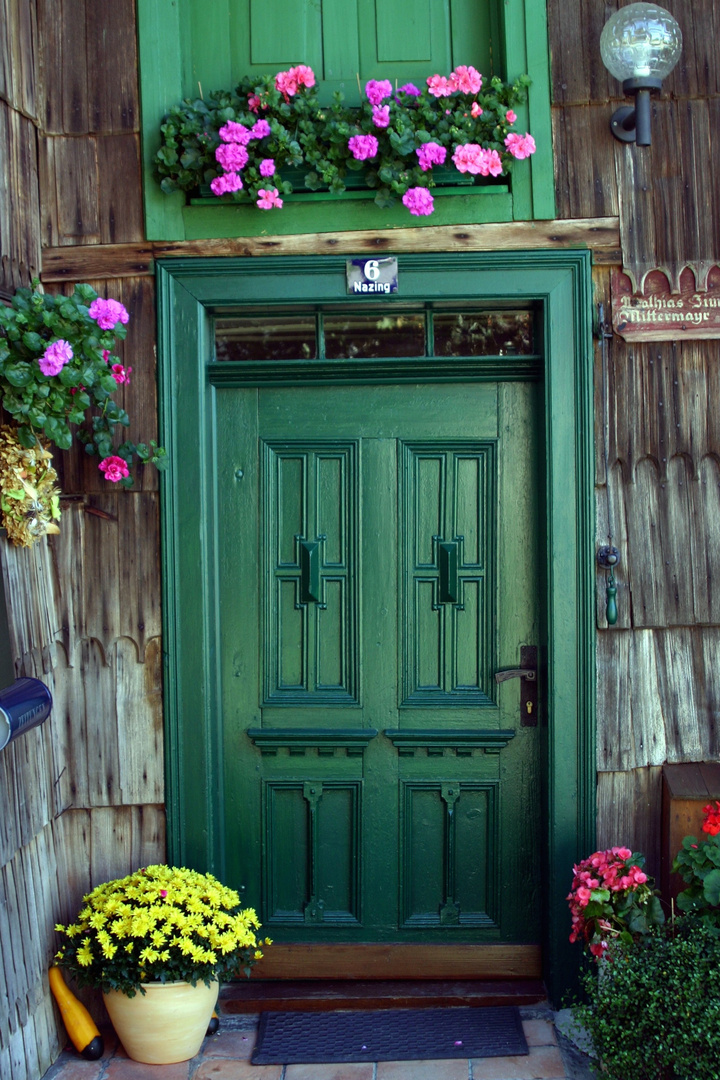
pixel 378 566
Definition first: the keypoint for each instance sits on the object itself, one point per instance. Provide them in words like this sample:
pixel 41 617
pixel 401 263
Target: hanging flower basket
pixel 58 374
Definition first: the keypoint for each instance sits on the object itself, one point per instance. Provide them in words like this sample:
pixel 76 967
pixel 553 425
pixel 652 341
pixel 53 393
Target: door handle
pixel 516 673
pixel 448 575
pixel 310 577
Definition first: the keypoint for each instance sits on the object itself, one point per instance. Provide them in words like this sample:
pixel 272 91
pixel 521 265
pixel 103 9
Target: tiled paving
pixel 226 1056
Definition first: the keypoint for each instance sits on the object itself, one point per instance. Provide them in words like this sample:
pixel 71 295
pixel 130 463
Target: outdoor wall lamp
pixel 639 45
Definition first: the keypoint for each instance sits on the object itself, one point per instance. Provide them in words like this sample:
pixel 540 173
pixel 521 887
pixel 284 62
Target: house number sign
pixel 661 315
pixel 369 276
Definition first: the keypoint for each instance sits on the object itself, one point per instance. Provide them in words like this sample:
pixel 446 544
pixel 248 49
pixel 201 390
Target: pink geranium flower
pixel 468 158
pixel 304 75
pixel 418 201
pixel 260 129
pixel 253 102
pixel 55 357
pixel 429 154
pixel 228 182
pixel 466 79
pixel 520 146
pixel 121 374
pixel 510 116
pixel 267 166
pixel 114 468
pixel 363 147
pixel 231 156
pixel 381 115
pixel 286 83
pixel 269 198
pixel 439 86
pixel 475 109
pixel 107 313
pixel 377 90
pixel 233 132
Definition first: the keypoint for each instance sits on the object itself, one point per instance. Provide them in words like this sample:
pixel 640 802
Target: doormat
pixel 286 1038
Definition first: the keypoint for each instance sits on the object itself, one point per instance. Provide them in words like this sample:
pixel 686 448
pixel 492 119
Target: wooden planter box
pixel 686 789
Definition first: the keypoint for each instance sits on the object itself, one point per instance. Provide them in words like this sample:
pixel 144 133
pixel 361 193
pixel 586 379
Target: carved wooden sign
pixel 661 315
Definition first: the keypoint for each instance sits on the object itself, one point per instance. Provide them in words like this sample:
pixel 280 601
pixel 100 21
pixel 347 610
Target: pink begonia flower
pixel 520 146
pixel 475 109
pixel 377 90
pixel 268 199
pixel 466 79
pixel 253 102
pixel 418 201
pixel 114 468
pixel 233 132
pixel 267 166
pixel 381 115
pixel 228 182
pixel 231 156
pixel 107 313
pixel 510 116
pixel 411 89
pixel 260 129
pixel 55 357
pixel 121 374
pixel 303 75
pixel 286 83
pixel 429 154
pixel 363 147
pixel 439 86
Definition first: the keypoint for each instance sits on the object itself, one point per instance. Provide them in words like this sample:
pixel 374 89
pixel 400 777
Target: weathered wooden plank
pixel 70 737
pixel 628 812
pixel 19 226
pixel 17 997
pixel 71 832
pixel 148 836
pixel 62 263
pixel 111 843
pixel 101 724
pixel 634 173
pixel 18 40
pixel 140 724
pixel 578 74
pixel 400 961
pixel 76 187
pixel 50 63
pixel 585 181
pixel 139 618
pixel 139 397
pixel 112 67
pixel 48 191
pixel 119 181
pixel 70 81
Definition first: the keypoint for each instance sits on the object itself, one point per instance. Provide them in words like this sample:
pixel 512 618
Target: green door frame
pixel 190 291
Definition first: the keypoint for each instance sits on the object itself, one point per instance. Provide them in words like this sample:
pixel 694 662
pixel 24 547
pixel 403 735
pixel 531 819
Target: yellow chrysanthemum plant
pixel 162 923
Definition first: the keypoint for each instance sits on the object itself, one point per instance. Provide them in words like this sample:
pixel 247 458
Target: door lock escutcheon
pixel 527 674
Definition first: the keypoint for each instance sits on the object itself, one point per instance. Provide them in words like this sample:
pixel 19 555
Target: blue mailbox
pixel 23 705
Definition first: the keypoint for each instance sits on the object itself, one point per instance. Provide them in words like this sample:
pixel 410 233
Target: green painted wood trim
pixel 159 52
pixel 393 370
pixel 526 51
pixel 491 739
pixel 189 292
pixel 334 214
pixel 311 736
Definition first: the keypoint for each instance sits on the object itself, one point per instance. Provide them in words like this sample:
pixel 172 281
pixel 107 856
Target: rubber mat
pixel 286 1038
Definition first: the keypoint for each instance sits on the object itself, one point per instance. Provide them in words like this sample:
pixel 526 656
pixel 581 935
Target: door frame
pixel 190 291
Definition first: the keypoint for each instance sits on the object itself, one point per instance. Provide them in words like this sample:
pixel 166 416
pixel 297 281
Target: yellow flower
pixel 84 953
pixel 258 954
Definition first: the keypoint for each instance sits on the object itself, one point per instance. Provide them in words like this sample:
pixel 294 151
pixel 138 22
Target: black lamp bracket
pixel 632 124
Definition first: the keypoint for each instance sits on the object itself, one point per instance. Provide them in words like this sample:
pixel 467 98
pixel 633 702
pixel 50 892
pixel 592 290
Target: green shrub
pixel 653 1006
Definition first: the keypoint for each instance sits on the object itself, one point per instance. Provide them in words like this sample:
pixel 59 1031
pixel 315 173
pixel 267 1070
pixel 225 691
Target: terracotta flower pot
pixel 166 1024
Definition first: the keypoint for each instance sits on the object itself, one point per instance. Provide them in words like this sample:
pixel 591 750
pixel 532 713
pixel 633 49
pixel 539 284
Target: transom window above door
pixel 349 333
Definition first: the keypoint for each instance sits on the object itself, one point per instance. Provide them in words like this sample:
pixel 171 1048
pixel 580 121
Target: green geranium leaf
pixel 711 888
pixel 18 374
pixel 33 342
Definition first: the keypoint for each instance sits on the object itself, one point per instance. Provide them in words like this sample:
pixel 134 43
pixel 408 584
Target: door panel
pixel 380 564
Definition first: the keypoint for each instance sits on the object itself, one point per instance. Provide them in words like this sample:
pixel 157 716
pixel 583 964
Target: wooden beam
pixel 391 961
pixel 96 261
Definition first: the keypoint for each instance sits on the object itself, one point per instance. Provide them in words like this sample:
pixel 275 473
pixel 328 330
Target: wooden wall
pixel 658 687
pixel 83 795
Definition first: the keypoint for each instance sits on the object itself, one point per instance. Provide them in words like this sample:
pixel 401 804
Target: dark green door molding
pixel 190 293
